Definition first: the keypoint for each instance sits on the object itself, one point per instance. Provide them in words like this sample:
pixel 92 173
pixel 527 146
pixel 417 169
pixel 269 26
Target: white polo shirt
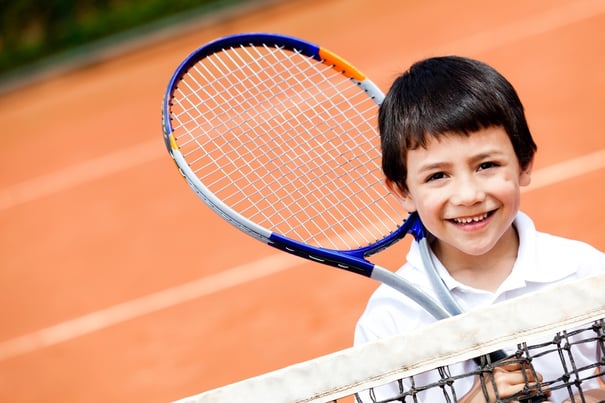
pixel 542 260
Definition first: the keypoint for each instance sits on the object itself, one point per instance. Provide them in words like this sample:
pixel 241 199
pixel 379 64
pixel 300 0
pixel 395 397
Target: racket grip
pixel 536 399
pixel 494 356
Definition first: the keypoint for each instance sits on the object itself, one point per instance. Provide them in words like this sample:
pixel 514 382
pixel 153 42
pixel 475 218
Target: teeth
pixel 468 220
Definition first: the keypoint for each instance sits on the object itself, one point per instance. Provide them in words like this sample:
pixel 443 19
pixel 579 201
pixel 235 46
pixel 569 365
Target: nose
pixel 467 191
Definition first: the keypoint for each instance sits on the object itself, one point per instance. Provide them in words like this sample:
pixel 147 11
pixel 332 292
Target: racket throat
pixel 328 257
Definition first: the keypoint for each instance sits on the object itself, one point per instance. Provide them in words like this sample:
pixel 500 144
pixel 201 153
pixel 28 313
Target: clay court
pixel 118 285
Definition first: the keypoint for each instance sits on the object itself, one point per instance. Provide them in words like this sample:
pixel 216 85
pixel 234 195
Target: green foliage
pixel 33 29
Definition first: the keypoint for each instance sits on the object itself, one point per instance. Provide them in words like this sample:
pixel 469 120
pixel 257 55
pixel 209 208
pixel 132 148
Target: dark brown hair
pixel 449 94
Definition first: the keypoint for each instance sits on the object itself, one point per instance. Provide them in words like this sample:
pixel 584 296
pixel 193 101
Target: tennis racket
pixel 278 136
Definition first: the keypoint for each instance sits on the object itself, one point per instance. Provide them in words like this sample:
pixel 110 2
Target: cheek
pixel 423 199
pixel 508 192
pixel 428 206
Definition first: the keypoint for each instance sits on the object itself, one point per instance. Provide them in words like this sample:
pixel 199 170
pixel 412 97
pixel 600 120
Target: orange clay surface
pixel 118 285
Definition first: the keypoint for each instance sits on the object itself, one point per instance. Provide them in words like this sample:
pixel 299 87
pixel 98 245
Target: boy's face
pixel 466 190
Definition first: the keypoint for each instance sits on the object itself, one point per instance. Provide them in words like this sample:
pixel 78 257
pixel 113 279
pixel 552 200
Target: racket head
pixel 279 137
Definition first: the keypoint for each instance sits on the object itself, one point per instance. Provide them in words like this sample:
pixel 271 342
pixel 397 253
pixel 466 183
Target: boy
pixel 456 148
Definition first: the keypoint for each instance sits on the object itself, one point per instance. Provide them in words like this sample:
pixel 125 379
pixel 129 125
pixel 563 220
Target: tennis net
pixel 558 332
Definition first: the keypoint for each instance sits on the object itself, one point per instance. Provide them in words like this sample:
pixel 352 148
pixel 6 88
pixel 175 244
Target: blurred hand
pixel 508 379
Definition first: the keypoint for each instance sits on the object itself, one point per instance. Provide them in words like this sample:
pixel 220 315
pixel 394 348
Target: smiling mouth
pixel 471 219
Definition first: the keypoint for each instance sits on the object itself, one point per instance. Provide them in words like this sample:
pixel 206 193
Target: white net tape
pixel 535 317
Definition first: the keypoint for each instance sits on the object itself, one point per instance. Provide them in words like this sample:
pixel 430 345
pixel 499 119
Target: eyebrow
pixel 433 167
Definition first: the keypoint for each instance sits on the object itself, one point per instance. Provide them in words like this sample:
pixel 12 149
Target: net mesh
pixel 288 142
pixel 558 332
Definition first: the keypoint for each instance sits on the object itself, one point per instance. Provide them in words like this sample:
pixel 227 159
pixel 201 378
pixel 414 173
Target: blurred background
pixel 117 284
pixel 32 31
pixel 37 37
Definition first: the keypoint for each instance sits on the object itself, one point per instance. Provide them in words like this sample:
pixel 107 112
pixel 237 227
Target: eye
pixel 435 176
pixel 487 165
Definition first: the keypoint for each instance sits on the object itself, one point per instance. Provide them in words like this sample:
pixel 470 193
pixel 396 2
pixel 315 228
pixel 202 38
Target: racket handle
pixel 490 358
pixel 536 399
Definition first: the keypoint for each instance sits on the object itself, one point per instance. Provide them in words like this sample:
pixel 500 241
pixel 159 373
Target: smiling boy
pixel 467 191
pixel 457 149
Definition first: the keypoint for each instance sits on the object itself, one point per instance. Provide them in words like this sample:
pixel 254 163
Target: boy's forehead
pixel 452 145
pixel 484 135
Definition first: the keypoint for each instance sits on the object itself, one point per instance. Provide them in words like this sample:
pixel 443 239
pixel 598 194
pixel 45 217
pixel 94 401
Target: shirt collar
pixel 525 268
pixel 529 265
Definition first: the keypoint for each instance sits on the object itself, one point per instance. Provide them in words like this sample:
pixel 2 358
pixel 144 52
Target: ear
pixel 525 174
pixel 403 196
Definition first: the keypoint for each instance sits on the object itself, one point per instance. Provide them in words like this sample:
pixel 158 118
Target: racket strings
pixel 288 142
pixel 250 96
pixel 317 212
pixel 319 208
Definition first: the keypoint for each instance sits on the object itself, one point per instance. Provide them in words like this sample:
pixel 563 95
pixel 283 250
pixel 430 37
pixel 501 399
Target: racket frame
pixel 350 260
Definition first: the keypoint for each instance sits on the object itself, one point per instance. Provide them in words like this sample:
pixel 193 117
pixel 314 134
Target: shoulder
pixel 559 251
pixel 389 312
pixel 556 256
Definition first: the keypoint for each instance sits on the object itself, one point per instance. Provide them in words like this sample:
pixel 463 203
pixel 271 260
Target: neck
pixel 487 271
